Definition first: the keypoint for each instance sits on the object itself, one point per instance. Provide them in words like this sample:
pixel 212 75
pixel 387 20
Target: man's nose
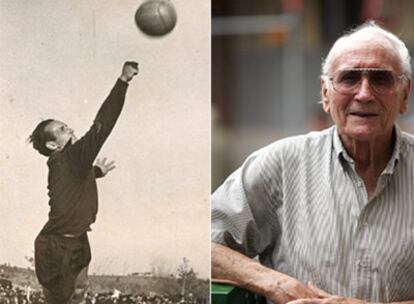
pixel 364 91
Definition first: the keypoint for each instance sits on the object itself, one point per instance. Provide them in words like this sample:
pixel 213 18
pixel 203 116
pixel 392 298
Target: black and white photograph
pixel 105 159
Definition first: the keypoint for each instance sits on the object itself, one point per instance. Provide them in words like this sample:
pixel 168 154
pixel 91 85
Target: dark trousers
pixel 61 266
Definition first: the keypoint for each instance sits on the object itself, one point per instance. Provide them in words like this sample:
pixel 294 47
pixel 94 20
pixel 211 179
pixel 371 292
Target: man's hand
pixel 285 289
pixel 329 300
pixel 129 70
pixel 105 167
pixel 325 298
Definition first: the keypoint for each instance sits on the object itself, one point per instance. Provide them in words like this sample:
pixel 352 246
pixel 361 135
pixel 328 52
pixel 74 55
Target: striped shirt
pixel 299 205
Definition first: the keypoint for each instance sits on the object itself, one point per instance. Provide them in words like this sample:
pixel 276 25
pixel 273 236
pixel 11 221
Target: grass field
pixel 131 284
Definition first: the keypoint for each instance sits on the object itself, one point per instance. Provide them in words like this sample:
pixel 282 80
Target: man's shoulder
pixel 310 148
pixel 304 143
pixel 408 137
pixel 407 140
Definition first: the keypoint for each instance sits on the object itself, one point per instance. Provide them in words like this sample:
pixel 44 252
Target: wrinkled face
pixel 61 133
pixel 365 113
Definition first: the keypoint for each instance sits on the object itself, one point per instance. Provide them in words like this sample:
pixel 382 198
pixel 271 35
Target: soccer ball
pixel 156 17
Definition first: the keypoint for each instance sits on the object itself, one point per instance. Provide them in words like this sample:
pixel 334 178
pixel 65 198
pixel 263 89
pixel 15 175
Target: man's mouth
pixel 363 114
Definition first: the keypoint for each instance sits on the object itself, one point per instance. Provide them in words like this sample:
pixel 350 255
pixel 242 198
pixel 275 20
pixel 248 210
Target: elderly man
pixel 329 214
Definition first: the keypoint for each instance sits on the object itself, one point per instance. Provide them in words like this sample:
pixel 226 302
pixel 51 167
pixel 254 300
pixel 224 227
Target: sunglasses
pixel 381 81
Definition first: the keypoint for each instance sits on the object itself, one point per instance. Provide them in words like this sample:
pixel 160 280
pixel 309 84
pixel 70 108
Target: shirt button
pixel 364 263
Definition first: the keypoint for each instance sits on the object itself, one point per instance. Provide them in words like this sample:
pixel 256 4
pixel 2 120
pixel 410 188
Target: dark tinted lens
pixel 384 79
pixel 348 78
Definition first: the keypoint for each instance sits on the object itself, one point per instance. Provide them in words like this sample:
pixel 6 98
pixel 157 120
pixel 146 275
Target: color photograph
pixel 312 151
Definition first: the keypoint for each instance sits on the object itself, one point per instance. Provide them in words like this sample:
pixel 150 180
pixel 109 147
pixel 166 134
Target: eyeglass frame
pixel 366 71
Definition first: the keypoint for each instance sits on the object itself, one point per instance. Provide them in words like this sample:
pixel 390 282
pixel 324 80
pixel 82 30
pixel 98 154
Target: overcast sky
pixel 59 59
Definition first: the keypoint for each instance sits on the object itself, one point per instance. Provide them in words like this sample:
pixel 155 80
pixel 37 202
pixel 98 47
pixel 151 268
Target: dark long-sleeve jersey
pixel 71 181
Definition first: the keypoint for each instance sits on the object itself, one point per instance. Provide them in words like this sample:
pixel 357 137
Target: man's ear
pixel 51 145
pixel 324 94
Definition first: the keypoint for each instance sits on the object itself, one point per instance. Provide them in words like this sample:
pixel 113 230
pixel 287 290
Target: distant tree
pixel 31 261
pixel 187 277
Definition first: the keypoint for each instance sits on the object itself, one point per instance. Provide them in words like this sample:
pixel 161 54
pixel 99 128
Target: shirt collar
pixel 389 169
pixel 339 148
pixel 69 143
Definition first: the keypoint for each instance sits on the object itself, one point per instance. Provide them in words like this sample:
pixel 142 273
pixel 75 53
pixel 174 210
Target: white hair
pixel 370 29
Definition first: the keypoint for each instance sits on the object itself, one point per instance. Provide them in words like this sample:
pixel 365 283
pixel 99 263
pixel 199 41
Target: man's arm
pixel 228 264
pixel 244 219
pixel 84 151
